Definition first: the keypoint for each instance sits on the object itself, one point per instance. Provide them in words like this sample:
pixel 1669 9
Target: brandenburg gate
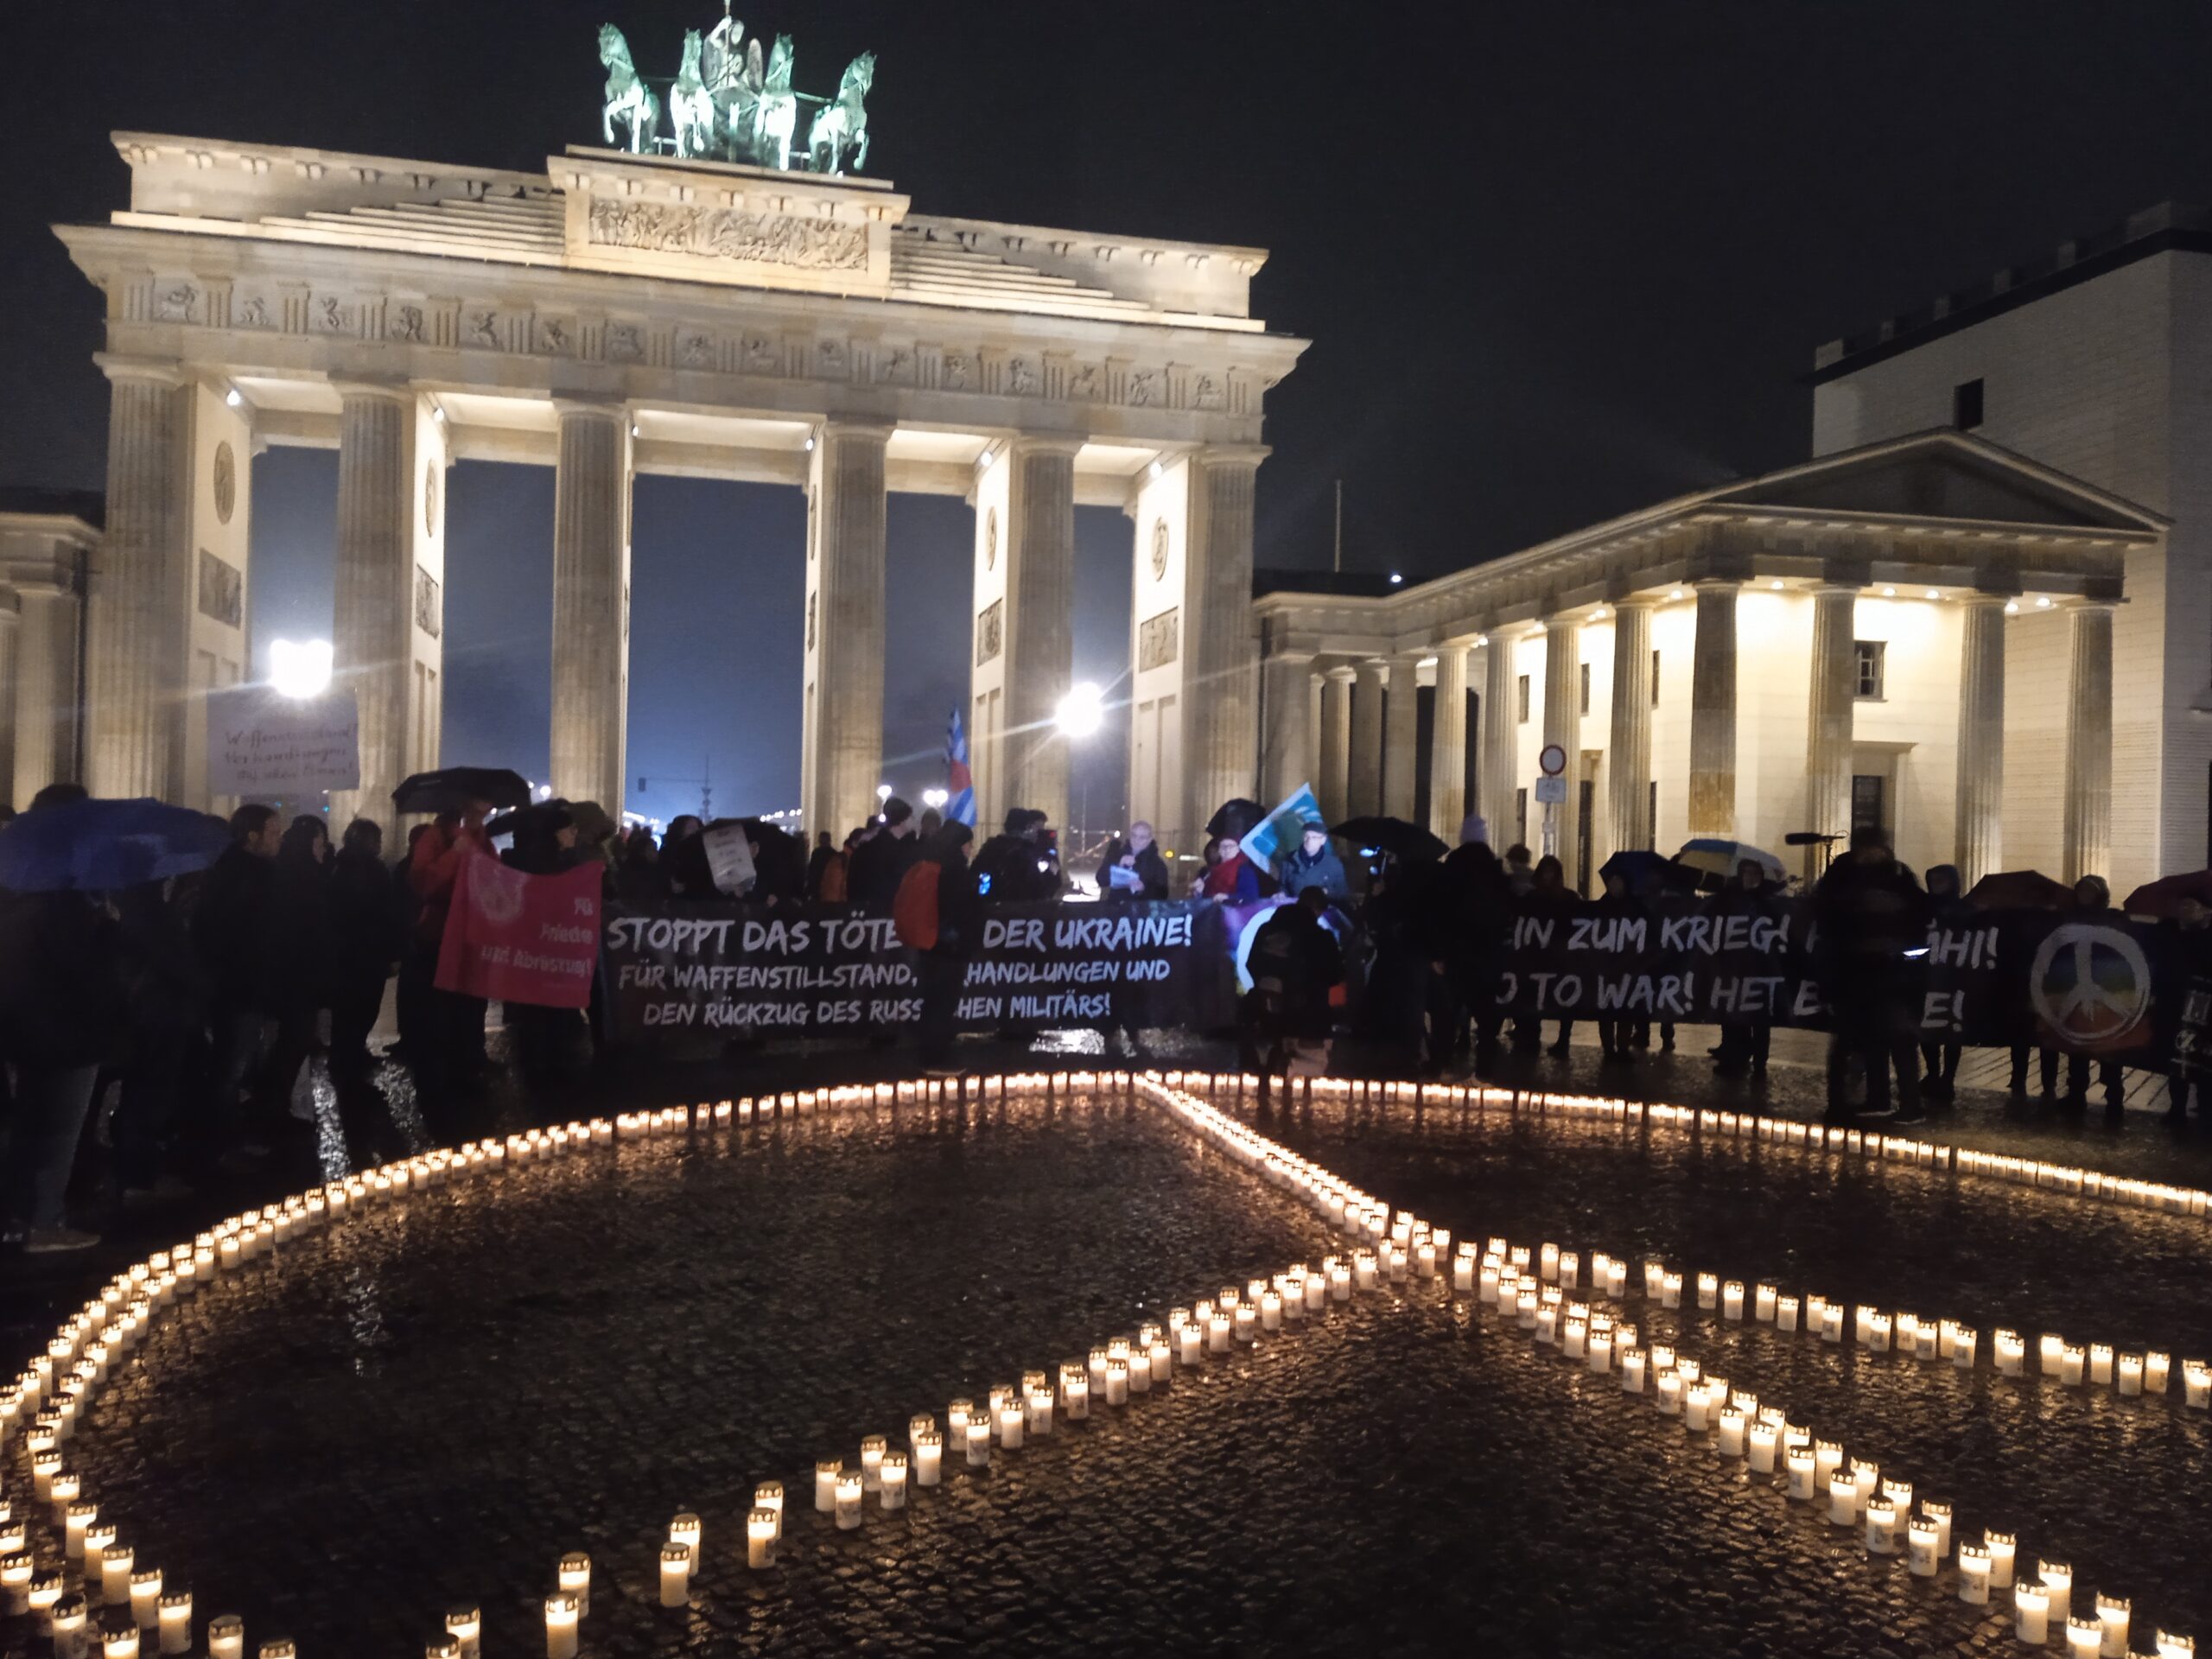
pixel 635 311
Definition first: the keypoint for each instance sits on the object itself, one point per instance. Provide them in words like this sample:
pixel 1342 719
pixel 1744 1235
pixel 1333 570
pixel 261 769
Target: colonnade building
pixel 619 313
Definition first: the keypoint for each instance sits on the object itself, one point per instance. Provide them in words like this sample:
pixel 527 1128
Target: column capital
pixel 611 408
pixel 165 371
pixel 1231 454
pixel 1981 599
pixel 1831 586
pixel 395 391
pixel 1718 584
pixel 1343 673
pixel 2093 604
pixel 879 431
pixel 1023 444
pixel 1634 602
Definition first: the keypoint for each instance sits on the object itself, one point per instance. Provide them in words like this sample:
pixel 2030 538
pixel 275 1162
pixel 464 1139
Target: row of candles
pixel 1112 1375
pixel 1532 1286
pixel 1744 1126
pixel 41 1411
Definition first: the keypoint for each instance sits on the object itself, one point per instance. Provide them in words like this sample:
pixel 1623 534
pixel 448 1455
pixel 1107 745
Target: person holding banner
pixel 1313 863
pixel 1142 873
pixel 1873 922
pixel 451 1054
pixel 946 944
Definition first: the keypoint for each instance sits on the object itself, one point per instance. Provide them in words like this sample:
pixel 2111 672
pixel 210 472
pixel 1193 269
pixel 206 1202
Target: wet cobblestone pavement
pixel 426 1406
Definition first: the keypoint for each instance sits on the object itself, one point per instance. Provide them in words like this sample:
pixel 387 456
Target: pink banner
pixel 521 938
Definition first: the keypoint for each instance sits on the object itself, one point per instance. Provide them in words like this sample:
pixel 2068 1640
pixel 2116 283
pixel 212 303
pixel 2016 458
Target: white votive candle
pixel 2100 1363
pixel 929 1458
pixel 146 1596
pixel 2071 1364
pixel 1013 1421
pixel 1798 1462
pixel 1924 1546
pixel 2155 1365
pixel 1760 1440
pixel 871 1450
pixel 1881 1527
pixel 2196 1385
pixel 115 1575
pixel 2085 1637
pixel 2130 1374
pixel 2011 1353
pixel 1633 1364
pixel 1785 1314
pixel 120 1644
pixel 979 1443
pixel 687 1529
pixel 2113 1613
pixel 892 1486
pixel 2057 1583
pixel 762 1528
pixel 173 1617
pixel 675 1575
pixel 1963 1342
pixel 1732 1299
pixel 561 1617
pixel 464 1625
pixel 850 1490
pixel 2050 1350
pixel 2004 1552
pixel 226 1637
pixel 1843 1500
pixel 1974 1574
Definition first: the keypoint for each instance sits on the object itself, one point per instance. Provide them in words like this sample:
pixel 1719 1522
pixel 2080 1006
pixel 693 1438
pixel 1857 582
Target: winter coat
pixel 1010 865
pixel 1324 870
pixel 831 884
pixel 1867 917
pixel 62 999
pixel 299 933
pixel 959 907
pixel 1236 878
pixel 432 872
pixel 1295 962
pixel 1150 868
pixel 162 974
pixel 819 865
pixel 365 930
pixel 232 929
pixel 875 867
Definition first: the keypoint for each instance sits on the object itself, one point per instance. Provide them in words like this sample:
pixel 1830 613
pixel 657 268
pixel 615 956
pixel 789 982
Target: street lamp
pixel 1082 712
pixel 935 798
pixel 300 669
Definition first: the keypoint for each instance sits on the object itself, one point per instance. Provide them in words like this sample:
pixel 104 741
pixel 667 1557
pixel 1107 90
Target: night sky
pixel 1557 261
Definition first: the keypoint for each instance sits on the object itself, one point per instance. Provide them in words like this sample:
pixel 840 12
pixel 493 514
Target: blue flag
pixel 959 783
pixel 1280 830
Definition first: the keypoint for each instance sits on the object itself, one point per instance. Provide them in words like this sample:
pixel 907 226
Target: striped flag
pixel 959 784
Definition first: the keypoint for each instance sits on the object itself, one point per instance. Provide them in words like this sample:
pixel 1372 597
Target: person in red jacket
pixel 452 1054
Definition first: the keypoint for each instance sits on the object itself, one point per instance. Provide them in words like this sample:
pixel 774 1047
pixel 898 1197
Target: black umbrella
pixel 1392 835
pixel 1238 818
pixel 453 789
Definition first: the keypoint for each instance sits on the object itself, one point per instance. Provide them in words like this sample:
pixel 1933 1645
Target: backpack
pixel 913 907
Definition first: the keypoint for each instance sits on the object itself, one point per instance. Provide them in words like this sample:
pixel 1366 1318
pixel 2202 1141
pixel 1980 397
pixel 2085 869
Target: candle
pixel 2070 1360
pixel 2101 1362
pixel 1158 1366
pixel 2154 1373
pixel 1763 1304
pixel 2111 1620
pixel 686 1529
pixel 2051 1353
pixel 893 1480
pixel 464 1624
pixel 763 1528
pixel 1867 1477
pixel 1632 1368
pixel 279 1647
pixel 918 1425
pixel 1923 1547
pixel 1785 1314
pixel 871 1461
pixel 826 1471
pixel 561 1615
pixel 1117 1374
pixel 70 1636
pixel 1963 1339
pixel 46 1590
pixel 1799 1463
pixel 1732 1299
pixel 851 1486
pixel 2058 1586
pixel 2012 1353
pixel 1217 1328
pixel 1708 1290
pixel 1881 1527
pixel 2196 1385
pixel 2130 1374
pixel 1670 1393
pixel 955 1417
pixel 115 1575
pixel 675 1578
pixel 2084 1639
pixel 1598 1353
pixel 1843 1500
pixel 1762 1438
pixel 1074 1392
pixel 146 1598
pixel 1013 1418
pixel 226 1638
pixel 1827 1458
pixel 2176 1646
pixel 1832 1324
pixel 574 1575
pixel 1941 1514
pixel 1617 1280
pixel 1570 1268
pixel 1670 1290
pixel 979 1443
pixel 120 1644
pixel 1974 1574
pixel 2002 1549
pixel 929 1456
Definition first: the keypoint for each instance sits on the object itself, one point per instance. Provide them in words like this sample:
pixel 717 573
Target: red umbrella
pixel 2162 899
pixel 2020 890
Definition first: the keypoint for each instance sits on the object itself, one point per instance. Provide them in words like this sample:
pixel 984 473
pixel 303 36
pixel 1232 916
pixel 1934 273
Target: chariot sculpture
pixel 730 101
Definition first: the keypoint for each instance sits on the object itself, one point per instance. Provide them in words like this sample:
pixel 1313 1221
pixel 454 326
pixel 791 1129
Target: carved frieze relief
pixel 1157 640
pixel 803 243
pixel 989 632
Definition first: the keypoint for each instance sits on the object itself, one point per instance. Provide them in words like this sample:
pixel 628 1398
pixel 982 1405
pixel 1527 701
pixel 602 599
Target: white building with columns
pixel 617 314
pixel 1916 632
pixel 47 543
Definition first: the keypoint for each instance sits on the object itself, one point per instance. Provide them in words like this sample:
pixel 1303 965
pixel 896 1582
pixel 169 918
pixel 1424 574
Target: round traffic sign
pixel 1551 761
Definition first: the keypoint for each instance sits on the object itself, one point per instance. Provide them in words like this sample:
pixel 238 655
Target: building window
pixel 1655 679
pixel 1586 688
pixel 1868 802
pixel 1868 688
pixel 1520 691
pixel 1965 405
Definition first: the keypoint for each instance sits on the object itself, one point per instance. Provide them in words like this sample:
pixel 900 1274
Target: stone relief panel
pixel 1157 640
pixel 429 603
pixel 252 311
pixel 764 355
pixel 554 336
pixel 991 539
pixel 176 302
pixel 332 315
pixel 732 233
pixel 1159 550
pixel 693 350
pixel 226 481
pixel 989 632
pixel 222 590
pixel 407 323
pixel 626 342
pixel 430 500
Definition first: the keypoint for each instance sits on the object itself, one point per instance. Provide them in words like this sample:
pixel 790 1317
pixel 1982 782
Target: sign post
pixel 1551 793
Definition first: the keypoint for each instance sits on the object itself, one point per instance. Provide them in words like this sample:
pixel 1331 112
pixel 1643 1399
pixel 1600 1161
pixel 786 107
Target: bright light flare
pixel 299 668
pixel 1082 712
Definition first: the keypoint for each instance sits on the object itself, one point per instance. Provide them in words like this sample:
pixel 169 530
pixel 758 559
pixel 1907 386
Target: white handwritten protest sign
pixel 260 743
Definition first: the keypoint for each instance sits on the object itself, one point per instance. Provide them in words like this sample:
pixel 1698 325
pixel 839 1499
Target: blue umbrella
pixel 101 845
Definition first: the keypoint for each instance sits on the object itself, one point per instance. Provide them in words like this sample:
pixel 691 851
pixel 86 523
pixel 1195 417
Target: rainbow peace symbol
pixel 2090 984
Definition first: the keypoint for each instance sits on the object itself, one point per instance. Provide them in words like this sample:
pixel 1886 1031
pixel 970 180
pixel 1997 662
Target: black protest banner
pixel 2096 985
pixel 734 969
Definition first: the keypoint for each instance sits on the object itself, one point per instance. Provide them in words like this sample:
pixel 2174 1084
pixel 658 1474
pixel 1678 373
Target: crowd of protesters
pixel 192 1005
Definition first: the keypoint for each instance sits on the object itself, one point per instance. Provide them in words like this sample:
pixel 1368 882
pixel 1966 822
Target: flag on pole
pixel 1278 832
pixel 959 784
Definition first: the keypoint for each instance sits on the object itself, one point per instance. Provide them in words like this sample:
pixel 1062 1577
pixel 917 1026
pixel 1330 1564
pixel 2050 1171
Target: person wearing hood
pixel 1313 863
pixel 365 942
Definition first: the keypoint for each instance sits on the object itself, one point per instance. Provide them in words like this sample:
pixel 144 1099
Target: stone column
pixel 1713 712
pixel 1563 726
pixel 137 639
pixel 1628 750
pixel 846 622
pixel 1365 796
pixel 1981 738
pixel 46 688
pixel 591 602
pixel 373 599
pixel 1284 751
pixel 1334 784
pixel 1831 710
pixel 1221 679
pixel 1040 624
pixel 1447 748
pixel 1497 758
pixel 2088 743
pixel 10 620
pixel 1402 737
